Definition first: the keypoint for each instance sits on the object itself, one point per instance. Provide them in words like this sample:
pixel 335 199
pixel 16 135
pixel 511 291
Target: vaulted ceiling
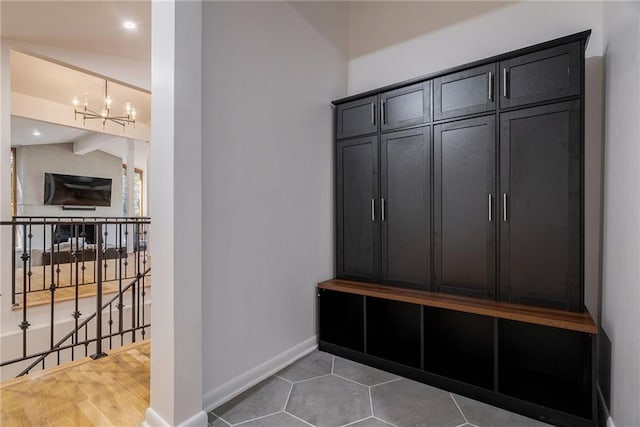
pixel 92 26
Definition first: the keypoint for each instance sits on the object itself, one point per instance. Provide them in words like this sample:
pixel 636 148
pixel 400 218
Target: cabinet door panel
pixel 541 178
pixel 405 192
pixel 406 106
pixel 357 225
pixel 464 207
pixel 356 118
pixel 540 76
pixel 467 92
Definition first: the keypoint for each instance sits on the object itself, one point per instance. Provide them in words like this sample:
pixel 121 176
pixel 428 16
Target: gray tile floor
pixel 322 390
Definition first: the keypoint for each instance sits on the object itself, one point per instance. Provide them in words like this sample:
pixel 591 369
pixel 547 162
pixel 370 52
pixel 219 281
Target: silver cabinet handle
pixel 382 208
pixel 384 112
pixel 490 207
pixel 373 209
pixel 490 86
pixel 504 82
pixel 373 113
pixel 504 207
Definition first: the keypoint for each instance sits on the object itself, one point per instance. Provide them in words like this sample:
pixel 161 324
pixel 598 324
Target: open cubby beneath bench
pixel 459 346
pixel 393 331
pixel 534 361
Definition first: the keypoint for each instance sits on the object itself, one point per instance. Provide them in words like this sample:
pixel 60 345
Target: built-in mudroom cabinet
pixel 460 233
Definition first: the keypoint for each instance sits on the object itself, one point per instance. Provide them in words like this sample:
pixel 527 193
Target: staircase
pixel 78 287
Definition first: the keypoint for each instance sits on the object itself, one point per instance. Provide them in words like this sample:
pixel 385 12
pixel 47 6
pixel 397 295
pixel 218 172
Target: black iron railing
pixel 113 249
pixel 62 250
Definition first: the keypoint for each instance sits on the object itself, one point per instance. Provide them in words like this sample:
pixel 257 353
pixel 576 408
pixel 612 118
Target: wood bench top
pixel 581 322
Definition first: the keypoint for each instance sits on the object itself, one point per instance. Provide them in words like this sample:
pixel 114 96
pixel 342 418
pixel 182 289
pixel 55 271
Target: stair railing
pixel 104 243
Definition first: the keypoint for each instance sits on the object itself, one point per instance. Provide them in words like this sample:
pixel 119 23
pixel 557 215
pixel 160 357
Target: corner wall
pixel 621 250
pixel 270 70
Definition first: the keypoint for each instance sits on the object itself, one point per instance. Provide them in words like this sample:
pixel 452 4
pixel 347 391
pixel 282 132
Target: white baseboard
pixel 153 419
pixel 227 391
pixel 603 407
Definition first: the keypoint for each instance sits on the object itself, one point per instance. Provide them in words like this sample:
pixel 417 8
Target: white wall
pixel 394 41
pixel 621 251
pixel 35 160
pixel 270 70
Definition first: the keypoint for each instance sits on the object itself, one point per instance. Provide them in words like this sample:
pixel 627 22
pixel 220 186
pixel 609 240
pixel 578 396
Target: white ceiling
pixel 93 26
pixel 46 80
pixel 50 133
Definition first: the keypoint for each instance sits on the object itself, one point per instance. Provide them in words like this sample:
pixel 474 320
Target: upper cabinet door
pixel 549 74
pixel 467 92
pixel 356 118
pixel 405 159
pixel 540 206
pixel 357 208
pixel 407 106
pixel 465 217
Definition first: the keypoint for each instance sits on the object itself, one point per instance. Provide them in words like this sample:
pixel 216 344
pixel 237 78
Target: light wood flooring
pixel 112 391
pixel 41 277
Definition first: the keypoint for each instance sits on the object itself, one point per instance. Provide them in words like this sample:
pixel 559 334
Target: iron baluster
pixel 14 230
pixel 24 325
pixel 99 353
pixel 29 273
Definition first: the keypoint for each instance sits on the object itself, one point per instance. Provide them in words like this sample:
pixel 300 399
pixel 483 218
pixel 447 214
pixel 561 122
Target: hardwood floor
pixel 112 391
pixel 41 278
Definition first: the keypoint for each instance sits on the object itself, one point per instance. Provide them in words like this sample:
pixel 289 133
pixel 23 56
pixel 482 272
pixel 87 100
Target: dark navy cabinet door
pixel 546 75
pixel 358 210
pixel 540 206
pixel 406 106
pixel 405 160
pixel 357 118
pixel 467 92
pixel 465 207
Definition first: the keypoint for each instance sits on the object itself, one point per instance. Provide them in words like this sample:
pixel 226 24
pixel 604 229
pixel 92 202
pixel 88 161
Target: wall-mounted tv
pixel 72 190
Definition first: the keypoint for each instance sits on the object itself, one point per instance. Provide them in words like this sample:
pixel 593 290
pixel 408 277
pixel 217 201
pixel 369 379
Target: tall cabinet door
pixel 358 225
pixel 465 207
pixel 541 213
pixel 405 200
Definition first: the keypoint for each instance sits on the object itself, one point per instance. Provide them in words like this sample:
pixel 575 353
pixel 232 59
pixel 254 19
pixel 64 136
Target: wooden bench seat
pixel 580 322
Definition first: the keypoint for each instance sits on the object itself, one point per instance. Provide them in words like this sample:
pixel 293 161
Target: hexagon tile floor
pixel 322 390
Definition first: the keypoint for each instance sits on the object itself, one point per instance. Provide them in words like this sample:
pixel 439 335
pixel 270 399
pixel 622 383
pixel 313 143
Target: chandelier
pixel 128 117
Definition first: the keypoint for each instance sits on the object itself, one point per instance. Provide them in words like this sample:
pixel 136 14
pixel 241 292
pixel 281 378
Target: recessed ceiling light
pixel 36 132
pixel 129 25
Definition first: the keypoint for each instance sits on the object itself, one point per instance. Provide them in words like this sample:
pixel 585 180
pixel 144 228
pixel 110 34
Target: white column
pixel 176 312
pixel 131 165
pixel 5 187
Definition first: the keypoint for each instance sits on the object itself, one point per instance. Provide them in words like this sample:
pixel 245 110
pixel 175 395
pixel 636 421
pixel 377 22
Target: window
pixel 137 188
pixel 14 207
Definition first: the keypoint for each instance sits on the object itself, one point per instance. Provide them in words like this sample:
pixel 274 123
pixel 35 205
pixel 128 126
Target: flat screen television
pixel 73 190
